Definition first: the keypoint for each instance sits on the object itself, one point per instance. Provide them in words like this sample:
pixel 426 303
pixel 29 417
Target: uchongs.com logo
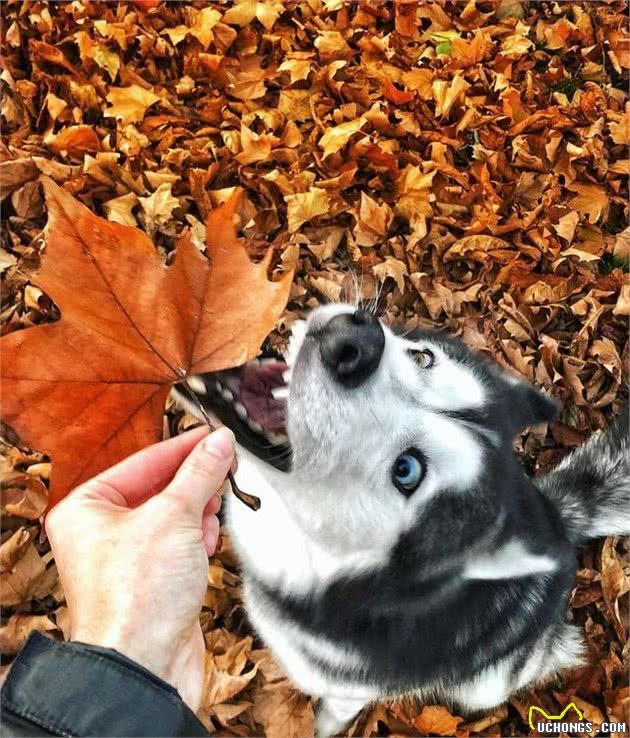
pixel 570 720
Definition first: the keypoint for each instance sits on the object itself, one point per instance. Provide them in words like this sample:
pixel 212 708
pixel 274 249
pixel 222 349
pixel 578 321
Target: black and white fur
pixel 456 593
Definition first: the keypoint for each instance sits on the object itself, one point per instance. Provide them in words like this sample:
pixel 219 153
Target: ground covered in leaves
pixel 463 163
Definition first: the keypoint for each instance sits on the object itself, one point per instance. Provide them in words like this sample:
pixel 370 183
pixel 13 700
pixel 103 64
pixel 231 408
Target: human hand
pixel 131 547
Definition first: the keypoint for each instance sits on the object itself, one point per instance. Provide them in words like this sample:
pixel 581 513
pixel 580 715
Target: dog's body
pixel 405 550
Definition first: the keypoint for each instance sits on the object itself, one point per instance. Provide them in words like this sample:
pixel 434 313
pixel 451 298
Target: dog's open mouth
pixel 252 401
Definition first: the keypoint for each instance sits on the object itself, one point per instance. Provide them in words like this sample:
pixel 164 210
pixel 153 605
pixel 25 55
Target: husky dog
pixel 400 548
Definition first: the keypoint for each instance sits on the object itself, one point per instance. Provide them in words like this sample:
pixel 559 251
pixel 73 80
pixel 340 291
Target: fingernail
pixel 220 443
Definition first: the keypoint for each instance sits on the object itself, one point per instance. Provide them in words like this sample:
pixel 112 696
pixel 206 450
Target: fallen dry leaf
pixel 476 247
pixel 23 495
pixel 27 578
pixel 16 630
pixel 393 268
pixel 76 141
pixel 591 713
pixel 13 548
pixel 622 306
pixel 99 53
pixel 222 686
pixel 373 220
pixel 158 208
pixel 435 720
pixel 304 206
pixel 566 226
pixel 256 147
pixel 129 104
pixel 119 209
pixel 591 200
pixel 14 173
pixel 337 137
pixel 283 711
pixel 446 94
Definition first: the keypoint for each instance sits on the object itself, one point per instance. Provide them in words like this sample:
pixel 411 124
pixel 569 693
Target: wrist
pixel 126 642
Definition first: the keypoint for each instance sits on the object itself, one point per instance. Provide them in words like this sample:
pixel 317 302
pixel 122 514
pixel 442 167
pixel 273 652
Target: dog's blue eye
pixel 408 471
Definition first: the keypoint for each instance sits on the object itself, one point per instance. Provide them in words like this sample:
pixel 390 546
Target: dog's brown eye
pixel 424 359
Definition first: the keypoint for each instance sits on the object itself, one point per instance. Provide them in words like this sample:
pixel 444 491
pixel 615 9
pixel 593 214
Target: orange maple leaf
pixel 396 96
pixel 436 720
pixel 90 389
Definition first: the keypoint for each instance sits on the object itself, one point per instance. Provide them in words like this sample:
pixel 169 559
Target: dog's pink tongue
pixel 257 381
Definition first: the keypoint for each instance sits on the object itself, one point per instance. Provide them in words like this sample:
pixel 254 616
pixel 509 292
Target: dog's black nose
pixel 351 346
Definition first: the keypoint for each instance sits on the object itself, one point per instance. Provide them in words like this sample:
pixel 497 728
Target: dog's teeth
pixel 217 385
pixel 256 362
pixel 277 438
pixel 268 361
pixel 286 376
pixel 197 385
pixel 240 410
pixel 256 427
pixel 280 393
pixel 227 394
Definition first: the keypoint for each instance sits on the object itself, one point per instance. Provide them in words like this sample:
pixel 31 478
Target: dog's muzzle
pixel 351 346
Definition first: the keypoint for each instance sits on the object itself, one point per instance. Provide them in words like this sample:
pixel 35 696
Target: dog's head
pixel 372 424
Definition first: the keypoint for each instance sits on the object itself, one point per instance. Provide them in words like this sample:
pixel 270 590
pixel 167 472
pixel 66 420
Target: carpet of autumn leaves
pixel 463 163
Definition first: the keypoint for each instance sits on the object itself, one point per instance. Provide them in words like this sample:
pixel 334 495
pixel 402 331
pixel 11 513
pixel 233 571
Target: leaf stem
pixel 251 501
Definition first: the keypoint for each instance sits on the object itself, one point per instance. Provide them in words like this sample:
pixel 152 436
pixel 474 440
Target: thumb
pixel 204 471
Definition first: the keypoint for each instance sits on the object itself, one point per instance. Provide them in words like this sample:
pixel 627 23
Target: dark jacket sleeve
pixel 73 689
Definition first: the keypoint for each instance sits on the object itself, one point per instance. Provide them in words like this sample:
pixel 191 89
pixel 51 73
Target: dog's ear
pixel 527 405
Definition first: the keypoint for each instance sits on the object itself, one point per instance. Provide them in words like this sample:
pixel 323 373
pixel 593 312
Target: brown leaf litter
pixel 464 162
